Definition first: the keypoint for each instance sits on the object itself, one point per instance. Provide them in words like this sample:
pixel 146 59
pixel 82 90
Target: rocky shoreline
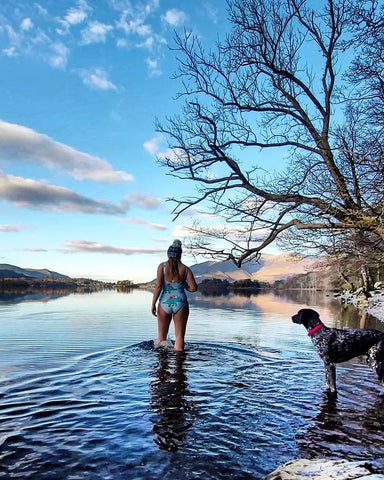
pixel 371 302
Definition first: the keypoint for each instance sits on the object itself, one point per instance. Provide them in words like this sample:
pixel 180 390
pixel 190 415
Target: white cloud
pixel 10 51
pixel 212 12
pixel 41 195
pixel 26 24
pixel 97 78
pixel 133 25
pixel 143 201
pixel 41 10
pixel 76 15
pixel 152 146
pixel 153 67
pixel 95 32
pixel 58 56
pixel 14 41
pixel 174 17
pixel 86 246
pixel 134 22
pixel 52 39
pixel 19 143
pixel 121 42
pixel 140 221
pixel 10 228
pixel 147 43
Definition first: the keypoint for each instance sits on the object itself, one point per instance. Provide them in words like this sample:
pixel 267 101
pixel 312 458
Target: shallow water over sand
pixel 84 394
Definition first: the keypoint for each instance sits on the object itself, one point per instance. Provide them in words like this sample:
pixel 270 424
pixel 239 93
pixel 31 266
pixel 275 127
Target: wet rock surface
pixel 305 469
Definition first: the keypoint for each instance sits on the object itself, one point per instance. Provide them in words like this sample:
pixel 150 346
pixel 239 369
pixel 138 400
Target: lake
pixel 84 394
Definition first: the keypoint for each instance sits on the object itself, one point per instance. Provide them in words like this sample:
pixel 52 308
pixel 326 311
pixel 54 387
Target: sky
pixel 81 84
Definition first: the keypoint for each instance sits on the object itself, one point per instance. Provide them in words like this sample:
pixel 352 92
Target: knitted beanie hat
pixel 175 251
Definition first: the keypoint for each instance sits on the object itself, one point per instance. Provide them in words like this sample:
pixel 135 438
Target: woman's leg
pixel 180 318
pixel 163 322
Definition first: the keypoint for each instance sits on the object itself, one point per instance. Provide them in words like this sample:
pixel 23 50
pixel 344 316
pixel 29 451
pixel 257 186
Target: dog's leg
pixel 330 376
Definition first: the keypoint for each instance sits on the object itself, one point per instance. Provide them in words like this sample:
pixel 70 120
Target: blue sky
pixel 81 84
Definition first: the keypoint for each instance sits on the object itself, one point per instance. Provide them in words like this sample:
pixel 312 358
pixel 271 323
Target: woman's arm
pixel 158 287
pixel 191 282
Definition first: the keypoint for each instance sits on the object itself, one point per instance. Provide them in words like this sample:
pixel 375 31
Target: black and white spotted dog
pixel 335 345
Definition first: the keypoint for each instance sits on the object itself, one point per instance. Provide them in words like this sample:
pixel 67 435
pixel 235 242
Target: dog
pixel 336 345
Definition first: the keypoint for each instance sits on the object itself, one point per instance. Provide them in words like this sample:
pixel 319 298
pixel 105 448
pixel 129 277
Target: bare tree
pixel 279 84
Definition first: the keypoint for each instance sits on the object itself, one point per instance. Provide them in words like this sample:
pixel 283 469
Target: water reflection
pixel 170 400
pixel 28 294
pixel 18 296
pixel 353 429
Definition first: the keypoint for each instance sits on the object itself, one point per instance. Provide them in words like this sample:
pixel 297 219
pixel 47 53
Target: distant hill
pixel 268 268
pixel 11 271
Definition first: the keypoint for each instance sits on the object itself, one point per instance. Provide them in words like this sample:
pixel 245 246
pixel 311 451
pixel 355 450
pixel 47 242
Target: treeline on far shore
pixel 53 283
pixel 215 286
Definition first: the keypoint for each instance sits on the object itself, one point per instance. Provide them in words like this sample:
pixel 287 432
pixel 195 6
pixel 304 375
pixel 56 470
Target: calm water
pixel 84 395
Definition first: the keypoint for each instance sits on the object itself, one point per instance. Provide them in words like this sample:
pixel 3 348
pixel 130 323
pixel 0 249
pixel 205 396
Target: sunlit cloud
pixel 19 143
pixel 86 246
pixel 174 17
pixel 144 223
pixel 97 78
pixel 40 195
pixel 36 250
pixel 10 228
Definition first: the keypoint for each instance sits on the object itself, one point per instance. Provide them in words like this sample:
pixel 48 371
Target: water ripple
pixel 218 411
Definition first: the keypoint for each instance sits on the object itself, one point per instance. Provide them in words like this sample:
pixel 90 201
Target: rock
pixel 304 469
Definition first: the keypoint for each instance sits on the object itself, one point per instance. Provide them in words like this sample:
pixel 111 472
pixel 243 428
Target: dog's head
pixel 306 317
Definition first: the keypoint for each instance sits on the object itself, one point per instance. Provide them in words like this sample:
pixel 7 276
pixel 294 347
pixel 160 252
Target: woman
pixel 173 278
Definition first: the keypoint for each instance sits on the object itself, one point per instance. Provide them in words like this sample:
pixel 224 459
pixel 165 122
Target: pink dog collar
pixel 314 329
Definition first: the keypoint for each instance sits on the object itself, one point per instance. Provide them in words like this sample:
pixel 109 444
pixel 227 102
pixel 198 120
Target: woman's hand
pixel 154 312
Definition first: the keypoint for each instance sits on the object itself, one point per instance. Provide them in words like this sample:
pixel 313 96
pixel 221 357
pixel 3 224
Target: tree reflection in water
pixel 171 402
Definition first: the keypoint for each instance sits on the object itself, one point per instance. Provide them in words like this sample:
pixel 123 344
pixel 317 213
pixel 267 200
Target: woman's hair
pixel 174 256
pixel 174 267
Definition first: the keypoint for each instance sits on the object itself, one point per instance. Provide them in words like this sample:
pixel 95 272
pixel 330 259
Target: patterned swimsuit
pixel 173 295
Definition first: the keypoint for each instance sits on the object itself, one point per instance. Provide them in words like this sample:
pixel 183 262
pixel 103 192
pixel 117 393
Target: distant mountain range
pixel 11 271
pixel 268 268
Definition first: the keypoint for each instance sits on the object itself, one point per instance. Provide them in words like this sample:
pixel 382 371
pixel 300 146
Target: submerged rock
pixel 304 469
